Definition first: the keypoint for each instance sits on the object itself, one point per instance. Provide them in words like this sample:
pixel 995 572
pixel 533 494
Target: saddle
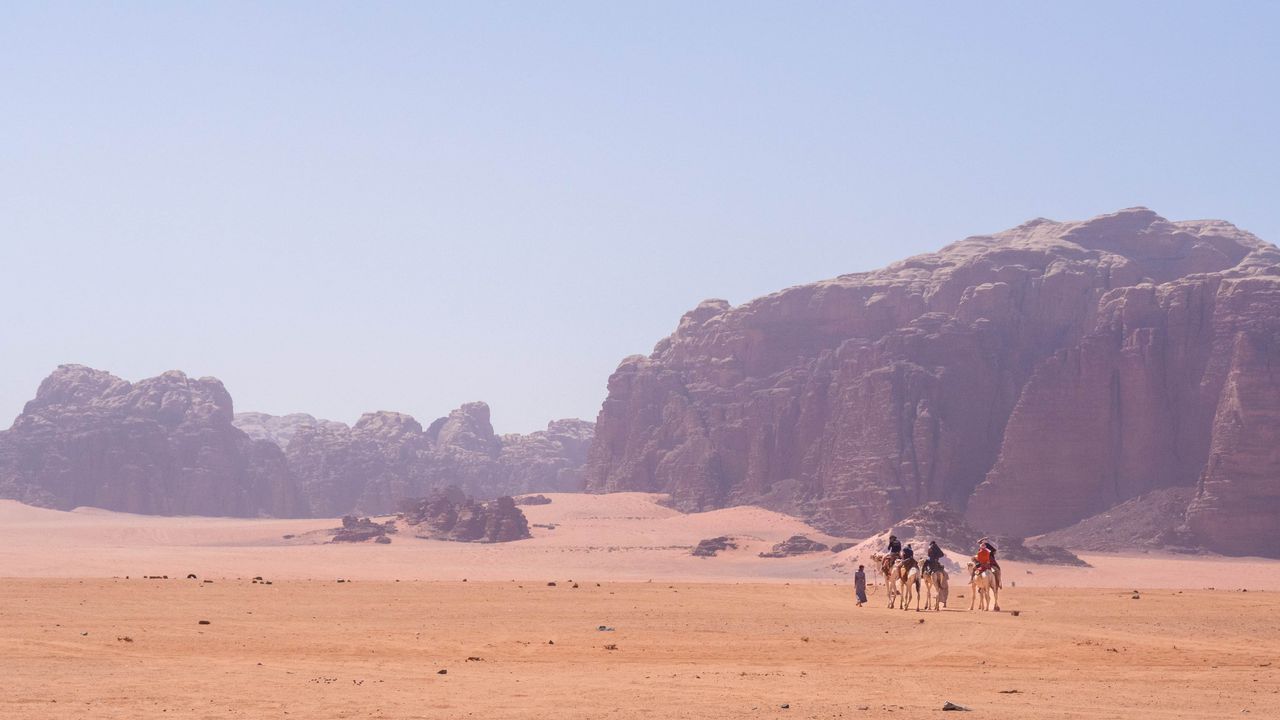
pixel 931 566
pixel 908 563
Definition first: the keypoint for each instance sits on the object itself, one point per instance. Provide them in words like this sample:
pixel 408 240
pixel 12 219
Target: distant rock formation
pixel 710 547
pixel 171 445
pixel 357 529
pixel 386 457
pixel 1031 378
pixel 448 514
pixel 795 545
pixel 165 445
pixel 278 429
pixel 533 500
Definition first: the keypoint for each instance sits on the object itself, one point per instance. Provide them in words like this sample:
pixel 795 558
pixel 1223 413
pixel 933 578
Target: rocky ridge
pixel 172 445
pixel 387 456
pixel 1031 378
pixel 165 445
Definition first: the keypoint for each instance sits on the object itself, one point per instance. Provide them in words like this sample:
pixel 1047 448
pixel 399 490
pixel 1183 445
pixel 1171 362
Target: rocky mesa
pixel 1032 378
pixel 172 445
pixel 163 446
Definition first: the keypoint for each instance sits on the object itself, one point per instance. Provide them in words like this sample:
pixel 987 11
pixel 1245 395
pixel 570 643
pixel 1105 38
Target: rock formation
pixel 795 545
pixel 278 429
pixel 448 514
pixel 1032 378
pixel 165 445
pixel 170 445
pixel 533 500
pixel 710 547
pixel 357 529
pixel 386 457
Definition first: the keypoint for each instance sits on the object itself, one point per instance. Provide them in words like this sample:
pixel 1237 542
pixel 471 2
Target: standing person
pixel 860 585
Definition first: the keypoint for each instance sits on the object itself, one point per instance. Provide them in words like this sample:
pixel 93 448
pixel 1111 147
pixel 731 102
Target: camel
pixel 984 590
pixel 888 574
pixel 909 583
pixel 936 589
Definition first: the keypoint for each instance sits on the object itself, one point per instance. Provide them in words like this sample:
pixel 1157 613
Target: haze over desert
pixel 571 360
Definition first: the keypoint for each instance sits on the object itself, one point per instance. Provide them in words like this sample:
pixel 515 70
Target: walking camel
pixel 936 588
pixel 984 590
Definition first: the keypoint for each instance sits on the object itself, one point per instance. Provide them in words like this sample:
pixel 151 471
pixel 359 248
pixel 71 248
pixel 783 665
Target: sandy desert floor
pixel 322 649
pixel 623 536
pixel 84 635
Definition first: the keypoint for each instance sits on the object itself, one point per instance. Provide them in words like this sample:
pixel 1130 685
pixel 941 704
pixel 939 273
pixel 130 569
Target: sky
pixel 343 207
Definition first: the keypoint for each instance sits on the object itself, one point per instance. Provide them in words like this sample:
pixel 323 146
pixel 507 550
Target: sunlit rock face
pixel 1033 378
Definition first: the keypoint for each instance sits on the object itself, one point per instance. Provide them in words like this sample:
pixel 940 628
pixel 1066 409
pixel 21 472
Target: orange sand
pixel 372 650
pixel 735 636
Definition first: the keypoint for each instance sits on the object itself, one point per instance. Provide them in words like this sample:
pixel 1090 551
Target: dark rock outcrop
pixel 449 514
pixel 533 500
pixel 1031 378
pixel 795 545
pixel 711 546
pixel 357 529
pixel 165 445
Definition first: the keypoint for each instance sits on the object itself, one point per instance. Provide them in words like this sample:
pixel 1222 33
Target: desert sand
pixel 84 635
pixel 321 649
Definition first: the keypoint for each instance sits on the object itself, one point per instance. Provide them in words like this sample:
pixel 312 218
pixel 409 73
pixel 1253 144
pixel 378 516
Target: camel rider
pixel 894 552
pixel 934 562
pixel 908 557
pixel 986 558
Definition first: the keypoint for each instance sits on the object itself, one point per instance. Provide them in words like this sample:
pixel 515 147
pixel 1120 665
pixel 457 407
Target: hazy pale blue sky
pixel 341 207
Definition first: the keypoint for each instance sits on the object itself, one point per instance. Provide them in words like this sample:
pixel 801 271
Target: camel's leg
pixel 973 595
pixel 995 598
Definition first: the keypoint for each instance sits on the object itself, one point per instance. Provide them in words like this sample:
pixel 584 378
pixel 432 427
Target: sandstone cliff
pixel 165 445
pixel 1033 377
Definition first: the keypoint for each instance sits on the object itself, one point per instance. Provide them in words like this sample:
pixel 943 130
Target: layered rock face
pixel 165 445
pixel 386 457
pixel 1033 378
